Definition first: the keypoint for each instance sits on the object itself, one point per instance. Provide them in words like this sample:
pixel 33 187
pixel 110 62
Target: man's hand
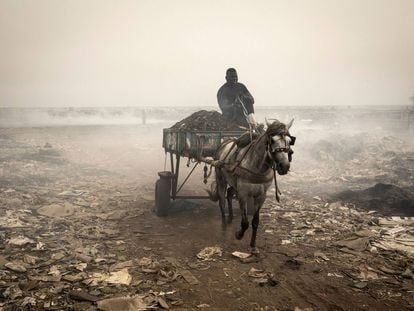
pixel 252 120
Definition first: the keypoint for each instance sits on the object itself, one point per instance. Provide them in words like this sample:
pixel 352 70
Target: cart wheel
pixel 162 196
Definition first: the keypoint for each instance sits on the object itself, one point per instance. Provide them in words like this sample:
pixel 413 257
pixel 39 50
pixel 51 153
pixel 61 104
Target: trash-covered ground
pixel 78 231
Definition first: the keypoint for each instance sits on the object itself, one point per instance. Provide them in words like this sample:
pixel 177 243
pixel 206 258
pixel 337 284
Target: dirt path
pixel 298 279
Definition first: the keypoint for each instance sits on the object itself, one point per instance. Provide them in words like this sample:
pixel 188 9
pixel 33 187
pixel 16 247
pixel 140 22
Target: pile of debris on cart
pixel 204 120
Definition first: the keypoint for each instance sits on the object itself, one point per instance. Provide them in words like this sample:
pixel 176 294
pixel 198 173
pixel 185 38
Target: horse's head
pixel 279 145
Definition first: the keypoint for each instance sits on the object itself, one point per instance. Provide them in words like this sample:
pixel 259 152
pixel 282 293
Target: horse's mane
pixel 276 128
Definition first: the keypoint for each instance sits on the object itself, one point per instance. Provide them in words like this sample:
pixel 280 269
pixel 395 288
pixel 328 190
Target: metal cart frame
pixel 198 147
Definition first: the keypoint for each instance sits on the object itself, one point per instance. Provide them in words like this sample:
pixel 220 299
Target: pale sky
pixel 175 53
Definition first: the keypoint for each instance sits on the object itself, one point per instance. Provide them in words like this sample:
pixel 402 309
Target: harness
pixel 254 177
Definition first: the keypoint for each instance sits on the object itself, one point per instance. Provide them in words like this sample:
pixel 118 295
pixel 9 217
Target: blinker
pixel 292 140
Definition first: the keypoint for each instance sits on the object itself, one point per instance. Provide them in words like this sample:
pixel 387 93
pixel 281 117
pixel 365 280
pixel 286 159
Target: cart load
pixel 199 135
pixel 204 120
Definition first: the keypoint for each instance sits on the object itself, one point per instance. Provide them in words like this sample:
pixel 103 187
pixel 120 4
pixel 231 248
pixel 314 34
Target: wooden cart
pixel 197 146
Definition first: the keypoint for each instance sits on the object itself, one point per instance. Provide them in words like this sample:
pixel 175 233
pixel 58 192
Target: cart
pixel 198 147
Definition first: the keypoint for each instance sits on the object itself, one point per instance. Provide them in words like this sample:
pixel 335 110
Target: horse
pixel 247 171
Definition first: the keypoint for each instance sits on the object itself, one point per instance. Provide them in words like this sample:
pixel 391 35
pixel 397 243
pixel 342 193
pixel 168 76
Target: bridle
pixel 286 148
pixel 272 151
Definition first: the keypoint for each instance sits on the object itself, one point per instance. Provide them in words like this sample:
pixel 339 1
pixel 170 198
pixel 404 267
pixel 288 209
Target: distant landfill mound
pixel 204 120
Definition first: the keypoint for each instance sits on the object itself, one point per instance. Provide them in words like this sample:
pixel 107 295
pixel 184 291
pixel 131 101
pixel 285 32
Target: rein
pixel 280 149
pixel 277 191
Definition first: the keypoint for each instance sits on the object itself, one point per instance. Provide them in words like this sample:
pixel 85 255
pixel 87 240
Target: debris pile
pixel 204 120
pixel 389 199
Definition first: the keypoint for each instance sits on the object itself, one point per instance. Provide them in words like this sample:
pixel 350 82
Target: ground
pixel 78 227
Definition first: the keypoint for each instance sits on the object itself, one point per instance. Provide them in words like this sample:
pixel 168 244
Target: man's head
pixel 231 75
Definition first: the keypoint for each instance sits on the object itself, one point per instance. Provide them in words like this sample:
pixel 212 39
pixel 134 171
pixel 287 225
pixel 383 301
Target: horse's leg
pixel 258 202
pixel 222 203
pixel 244 219
pixel 230 194
pixel 221 191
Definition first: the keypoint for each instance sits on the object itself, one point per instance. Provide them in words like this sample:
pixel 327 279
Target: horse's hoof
pixel 230 219
pixel 239 235
pixel 254 251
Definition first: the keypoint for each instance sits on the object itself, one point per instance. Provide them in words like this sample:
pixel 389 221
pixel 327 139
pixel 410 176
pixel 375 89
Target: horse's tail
pixel 213 192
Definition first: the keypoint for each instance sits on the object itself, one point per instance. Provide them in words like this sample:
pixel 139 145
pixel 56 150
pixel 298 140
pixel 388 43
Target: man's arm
pixel 248 102
pixel 226 105
pixel 248 99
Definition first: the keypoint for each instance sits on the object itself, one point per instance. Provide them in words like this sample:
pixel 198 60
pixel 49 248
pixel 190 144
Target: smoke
pixel 333 143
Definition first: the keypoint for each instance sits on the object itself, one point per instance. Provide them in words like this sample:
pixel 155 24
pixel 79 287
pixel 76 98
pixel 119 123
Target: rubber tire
pixel 162 197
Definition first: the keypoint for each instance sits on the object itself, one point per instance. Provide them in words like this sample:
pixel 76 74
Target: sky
pixel 175 53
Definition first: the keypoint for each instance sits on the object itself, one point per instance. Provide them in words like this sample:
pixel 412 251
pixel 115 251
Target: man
pixel 235 101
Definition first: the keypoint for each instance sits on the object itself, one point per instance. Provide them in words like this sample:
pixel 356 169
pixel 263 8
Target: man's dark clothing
pixel 230 107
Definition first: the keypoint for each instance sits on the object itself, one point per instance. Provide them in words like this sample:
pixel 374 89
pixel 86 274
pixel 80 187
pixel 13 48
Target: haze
pixel 175 53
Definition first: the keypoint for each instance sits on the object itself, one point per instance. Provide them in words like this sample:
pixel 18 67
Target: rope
pixel 277 191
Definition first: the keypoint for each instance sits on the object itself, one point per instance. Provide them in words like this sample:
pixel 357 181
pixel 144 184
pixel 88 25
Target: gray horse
pixel 247 171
